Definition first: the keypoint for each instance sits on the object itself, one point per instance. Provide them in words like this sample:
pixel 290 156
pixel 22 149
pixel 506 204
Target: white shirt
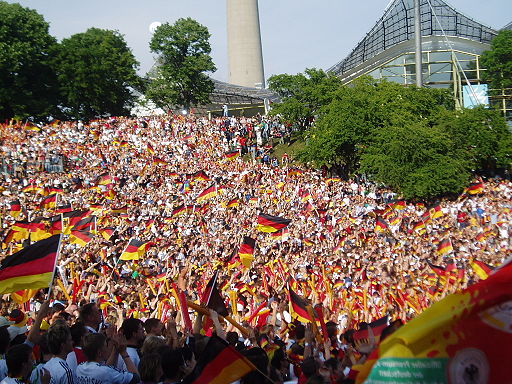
pixel 60 371
pixel 96 373
pixel 134 355
pixel 11 380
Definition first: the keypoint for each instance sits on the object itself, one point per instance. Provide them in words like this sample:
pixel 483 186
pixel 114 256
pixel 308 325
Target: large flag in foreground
pixel 269 224
pixel 463 338
pixel 30 268
pixel 219 363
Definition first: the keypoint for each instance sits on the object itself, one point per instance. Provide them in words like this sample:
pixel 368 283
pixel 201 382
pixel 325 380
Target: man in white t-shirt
pixel 94 371
pixel 60 344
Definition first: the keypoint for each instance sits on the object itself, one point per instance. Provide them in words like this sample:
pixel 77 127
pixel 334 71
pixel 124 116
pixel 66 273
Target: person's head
pixel 150 368
pixel 5 339
pixel 151 344
pixel 90 315
pixel 153 327
pixel 78 331
pixel 59 339
pixel 95 347
pixel 133 330
pixel 19 361
pixel 309 367
pixel 176 363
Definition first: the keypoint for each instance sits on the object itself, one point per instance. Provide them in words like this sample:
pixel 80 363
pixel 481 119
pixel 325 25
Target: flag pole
pixel 50 287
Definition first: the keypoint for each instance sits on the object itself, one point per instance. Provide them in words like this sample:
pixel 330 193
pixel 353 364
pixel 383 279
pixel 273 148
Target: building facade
pixel 451 47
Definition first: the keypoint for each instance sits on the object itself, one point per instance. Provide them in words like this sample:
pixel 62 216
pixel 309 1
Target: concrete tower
pixel 244 44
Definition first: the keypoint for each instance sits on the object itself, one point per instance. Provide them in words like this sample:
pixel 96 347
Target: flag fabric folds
pixel 208 193
pixel 134 250
pixel 212 298
pixel 481 269
pixel 444 247
pixel 298 307
pixel 269 224
pixel 475 188
pixel 30 268
pixel 218 364
pixel 380 224
pixel 15 208
pixel 81 238
pixel 465 335
pixel 246 251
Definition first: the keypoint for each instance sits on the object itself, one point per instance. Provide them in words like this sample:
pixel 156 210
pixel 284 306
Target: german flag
pixel 49 202
pixel 475 188
pixel 120 210
pixel 29 126
pixel 110 194
pixel 298 307
pixel 269 224
pixel 400 205
pixel 107 232
pixel 435 211
pixel 124 143
pixel 246 251
pixel 419 227
pixel 105 179
pixel 377 327
pixel 308 242
pixel 212 298
pixel 50 190
pixel 233 203
pixel 180 210
pixel 295 172
pixel 30 268
pixel 444 247
pixel 21 297
pixel 81 238
pixel 219 363
pixel 438 270
pixel 134 250
pixel 87 223
pixel 280 235
pixel 231 155
pixel 208 193
pixel 32 188
pixel 15 208
pixel 150 148
pixel 201 175
pixel 64 208
pixel 38 231
pixel 380 224
pixel 158 161
pixel 481 269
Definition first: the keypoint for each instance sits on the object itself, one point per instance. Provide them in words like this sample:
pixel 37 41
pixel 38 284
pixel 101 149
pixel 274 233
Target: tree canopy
pixel 27 82
pixel 303 94
pixel 180 78
pixel 97 74
pixel 498 61
pixel 408 138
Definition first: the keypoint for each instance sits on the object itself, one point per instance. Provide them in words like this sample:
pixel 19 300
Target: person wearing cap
pixel 18 326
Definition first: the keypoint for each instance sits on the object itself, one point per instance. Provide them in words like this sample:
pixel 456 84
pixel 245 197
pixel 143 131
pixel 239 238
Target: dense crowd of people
pixel 189 191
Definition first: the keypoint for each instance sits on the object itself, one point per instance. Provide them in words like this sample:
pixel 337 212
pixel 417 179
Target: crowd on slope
pixel 355 248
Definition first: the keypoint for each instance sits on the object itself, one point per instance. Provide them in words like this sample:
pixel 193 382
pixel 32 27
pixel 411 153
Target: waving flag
pixel 269 224
pixel 134 250
pixel 246 251
pixel 30 268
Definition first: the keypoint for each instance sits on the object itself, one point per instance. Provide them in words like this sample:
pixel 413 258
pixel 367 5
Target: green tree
pixel 347 125
pixel 303 95
pixel 180 77
pixel 27 82
pixel 498 61
pixel 483 135
pixel 97 74
pixel 417 160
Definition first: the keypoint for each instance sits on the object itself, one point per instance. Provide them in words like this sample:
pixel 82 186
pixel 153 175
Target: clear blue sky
pixel 296 34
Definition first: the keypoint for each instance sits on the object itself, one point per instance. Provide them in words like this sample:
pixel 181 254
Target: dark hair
pixel 259 358
pixel 93 342
pixel 57 335
pixel 15 358
pixel 309 367
pixel 130 327
pixel 300 331
pixel 78 331
pixel 86 311
pixel 149 324
pixel 5 339
pixel 172 360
